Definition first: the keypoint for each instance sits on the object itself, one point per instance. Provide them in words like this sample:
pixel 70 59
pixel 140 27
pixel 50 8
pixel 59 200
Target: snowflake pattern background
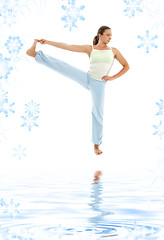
pixel 23 149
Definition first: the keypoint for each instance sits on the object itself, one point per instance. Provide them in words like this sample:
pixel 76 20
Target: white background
pixel 63 135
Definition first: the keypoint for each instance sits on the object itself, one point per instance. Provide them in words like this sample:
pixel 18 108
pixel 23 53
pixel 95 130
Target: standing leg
pixel 97 89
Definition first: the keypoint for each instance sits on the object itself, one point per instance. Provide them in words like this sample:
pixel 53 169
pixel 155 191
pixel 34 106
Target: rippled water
pixel 77 204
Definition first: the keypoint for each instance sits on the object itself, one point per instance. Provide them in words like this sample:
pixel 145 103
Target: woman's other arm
pixel 122 61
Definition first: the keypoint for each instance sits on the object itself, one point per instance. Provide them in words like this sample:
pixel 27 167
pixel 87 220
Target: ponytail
pixel 95 40
pixel 100 31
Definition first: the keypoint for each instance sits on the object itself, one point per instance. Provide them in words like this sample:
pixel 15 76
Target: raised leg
pixel 63 68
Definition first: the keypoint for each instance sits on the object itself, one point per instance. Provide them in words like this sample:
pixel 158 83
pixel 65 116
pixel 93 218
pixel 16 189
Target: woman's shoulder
pixel 114 50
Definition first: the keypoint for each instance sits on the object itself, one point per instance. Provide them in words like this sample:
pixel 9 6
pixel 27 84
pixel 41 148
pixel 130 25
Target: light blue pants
pixel 97 89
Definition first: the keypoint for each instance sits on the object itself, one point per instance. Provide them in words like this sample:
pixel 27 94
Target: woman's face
pixel 106 37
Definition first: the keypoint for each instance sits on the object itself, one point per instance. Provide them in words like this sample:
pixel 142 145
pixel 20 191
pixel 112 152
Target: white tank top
pixel 101 62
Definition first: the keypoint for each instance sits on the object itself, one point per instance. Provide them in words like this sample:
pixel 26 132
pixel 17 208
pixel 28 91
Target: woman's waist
pixel 97 71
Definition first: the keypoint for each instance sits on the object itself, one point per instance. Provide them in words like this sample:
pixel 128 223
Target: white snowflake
pixel 156 16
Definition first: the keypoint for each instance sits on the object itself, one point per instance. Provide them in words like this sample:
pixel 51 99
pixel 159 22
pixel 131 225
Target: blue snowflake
pixel 9 207
pixel 5 67
pixel 5 107
pixel 32 108
pixel 72 14
pixel 159 129
pixel 8 11
pixel 2 202
pixel 29 121
pixel 147 41
pixel 133 7
pixel 161 107
pixel 13 44
pixel 32 114
pixel 19 152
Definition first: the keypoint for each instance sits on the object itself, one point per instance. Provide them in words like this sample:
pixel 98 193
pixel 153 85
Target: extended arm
pixel 122 61
pixel 65 46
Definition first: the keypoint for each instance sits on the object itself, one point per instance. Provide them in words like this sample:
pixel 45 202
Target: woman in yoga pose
pixel 101 60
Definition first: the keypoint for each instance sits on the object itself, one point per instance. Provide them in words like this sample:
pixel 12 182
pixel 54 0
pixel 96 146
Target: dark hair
pixel 101 30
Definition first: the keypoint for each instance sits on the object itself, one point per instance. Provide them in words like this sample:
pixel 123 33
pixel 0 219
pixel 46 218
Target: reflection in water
pixel 97 176
pixel 98 222
pixel 96 192
pixel 50 207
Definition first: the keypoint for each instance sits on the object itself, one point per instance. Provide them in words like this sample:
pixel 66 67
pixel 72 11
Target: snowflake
pixel 155 14
pixel 133 6
pixel 32 114
pixel 5 107
pixel 72 14
pixel 19 152
pixel 5 67
pixel 147 41
pixel 29 121
pixel 159 129
pixel 8 11
pixel 32 108
pixel 13 44
pixel 9 207
pixel 161 107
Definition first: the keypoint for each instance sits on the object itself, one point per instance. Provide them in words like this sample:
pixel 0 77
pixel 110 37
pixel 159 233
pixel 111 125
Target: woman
pixel 101 60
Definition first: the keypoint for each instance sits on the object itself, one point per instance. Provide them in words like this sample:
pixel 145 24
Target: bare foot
pixel 31 51
pixel 97 175
pixel 97 150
